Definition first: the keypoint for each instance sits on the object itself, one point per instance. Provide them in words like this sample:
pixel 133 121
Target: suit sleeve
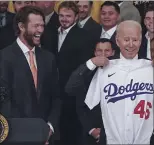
pixel 77 86
pixel 76 80
pixel 56 101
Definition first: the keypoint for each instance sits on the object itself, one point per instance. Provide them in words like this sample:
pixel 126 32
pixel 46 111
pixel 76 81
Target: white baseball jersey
pixel 124 89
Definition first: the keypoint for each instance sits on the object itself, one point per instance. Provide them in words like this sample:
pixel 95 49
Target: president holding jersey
pixel 124 88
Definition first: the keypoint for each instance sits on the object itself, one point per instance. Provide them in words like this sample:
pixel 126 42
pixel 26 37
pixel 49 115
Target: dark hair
pixel 69 5
pixel 103 40
pixel 90 2
pixel 23 14
pixel 150 8
pixel 110 3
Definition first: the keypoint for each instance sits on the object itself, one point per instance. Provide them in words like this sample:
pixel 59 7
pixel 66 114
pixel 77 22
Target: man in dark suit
pixel 31 72
pixel 78 85
pixel 17 5
pixel 86 21
pixel 109 17
pixel 6 27
pixel 74 48
pixel 149 23
pixel 49 37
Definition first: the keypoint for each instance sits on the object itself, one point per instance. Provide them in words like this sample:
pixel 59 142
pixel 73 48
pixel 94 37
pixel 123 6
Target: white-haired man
pixel 124 91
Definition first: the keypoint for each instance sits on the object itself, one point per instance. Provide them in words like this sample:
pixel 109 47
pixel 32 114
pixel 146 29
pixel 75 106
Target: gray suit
pixel 129 12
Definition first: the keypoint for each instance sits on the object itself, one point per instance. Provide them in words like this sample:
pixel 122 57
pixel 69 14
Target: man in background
pixel 20 4
pixel 49 37
pixel 7 35
pixel 75 46
pixel 77 86
pixel 149 23
pixel 109 18
pixel 86 21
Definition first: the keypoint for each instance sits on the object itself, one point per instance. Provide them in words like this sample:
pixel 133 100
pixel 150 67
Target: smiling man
pixel 86 21
pixel 75 46
pixel 123 90
pixel 31 72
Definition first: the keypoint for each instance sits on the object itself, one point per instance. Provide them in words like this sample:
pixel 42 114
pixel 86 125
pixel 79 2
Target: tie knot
pixel 30 52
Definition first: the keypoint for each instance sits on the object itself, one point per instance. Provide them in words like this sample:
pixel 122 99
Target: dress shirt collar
pixel 23 47
pixel 110 32
pixel 66 30
pixel 82 22
pixel 147 35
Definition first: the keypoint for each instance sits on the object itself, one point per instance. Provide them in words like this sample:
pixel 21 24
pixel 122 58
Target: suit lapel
pixel 22 61
pixel 67 39
pixel 87 25
pixel 40 70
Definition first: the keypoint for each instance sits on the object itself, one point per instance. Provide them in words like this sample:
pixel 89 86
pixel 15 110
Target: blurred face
pixel 46 6
pixel 109 17
pixel 104 49
pixel 32 31
pixel 129 40
pixel 149 21
pixel 66 18
pixel 3 6
pixel 20 4
pixel 84 9
pixel 152 49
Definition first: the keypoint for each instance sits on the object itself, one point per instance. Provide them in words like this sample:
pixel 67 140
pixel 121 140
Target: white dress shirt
pixel 25 51
pixel 148 46
pixel 62 35
pixel 83 22
pixel 108 34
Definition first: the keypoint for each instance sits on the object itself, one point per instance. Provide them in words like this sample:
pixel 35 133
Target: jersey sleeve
pixel 94 92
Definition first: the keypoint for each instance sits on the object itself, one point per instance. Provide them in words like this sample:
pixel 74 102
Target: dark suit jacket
pixel 26 102
pixel 75 50
pixel 9 18
pixel 7 33
pixel 93 28
pixel 49 37
pixel 143 47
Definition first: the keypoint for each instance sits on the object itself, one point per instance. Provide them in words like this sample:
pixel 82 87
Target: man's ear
pixel 21 26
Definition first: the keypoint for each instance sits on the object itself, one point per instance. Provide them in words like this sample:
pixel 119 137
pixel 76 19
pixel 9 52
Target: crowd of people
pixel 92 83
